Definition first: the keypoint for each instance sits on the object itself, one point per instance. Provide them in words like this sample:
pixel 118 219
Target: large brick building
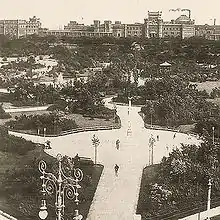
pixel 152 27
pixel 20 28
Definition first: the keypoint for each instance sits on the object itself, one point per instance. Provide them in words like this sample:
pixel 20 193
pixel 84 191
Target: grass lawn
pixel 83 122
pixel 20 191
pixel 186 128
pixel 80 120
pixel 208 85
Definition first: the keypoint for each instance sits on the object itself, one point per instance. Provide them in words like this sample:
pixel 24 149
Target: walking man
pixel 117 144
pixel 116 169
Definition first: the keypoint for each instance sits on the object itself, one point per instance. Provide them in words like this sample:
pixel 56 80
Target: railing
pixel 158 127
pixel 72 131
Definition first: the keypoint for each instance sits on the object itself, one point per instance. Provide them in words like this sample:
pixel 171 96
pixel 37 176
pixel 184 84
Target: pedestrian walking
pixel 158 138
pixel 174 135
pixel 116 169
pixel 117 143
pixel 47 145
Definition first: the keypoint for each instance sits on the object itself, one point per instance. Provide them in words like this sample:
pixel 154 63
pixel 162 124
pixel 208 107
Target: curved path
pixel 116 197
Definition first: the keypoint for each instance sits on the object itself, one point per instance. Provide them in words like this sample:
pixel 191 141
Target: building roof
pixel 165 64
pixel 182 19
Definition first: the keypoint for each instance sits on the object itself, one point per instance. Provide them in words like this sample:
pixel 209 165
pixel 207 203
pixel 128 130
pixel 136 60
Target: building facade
pixel 20 28
pixel 118 29
pixel 152 27
pixel 210 32
pixel 133 30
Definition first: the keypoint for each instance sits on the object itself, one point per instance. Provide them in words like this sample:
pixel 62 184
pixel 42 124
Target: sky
pixel 54 14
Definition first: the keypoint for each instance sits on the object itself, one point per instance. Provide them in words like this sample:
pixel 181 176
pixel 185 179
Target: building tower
pixel 107 26
pixel 153 25
pixel 96 25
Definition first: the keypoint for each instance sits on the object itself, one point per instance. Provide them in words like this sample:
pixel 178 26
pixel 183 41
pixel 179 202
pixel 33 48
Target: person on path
pixel 117 144
pixel 47 145
pixel 116 169
pixel 174 135
pixel 158 138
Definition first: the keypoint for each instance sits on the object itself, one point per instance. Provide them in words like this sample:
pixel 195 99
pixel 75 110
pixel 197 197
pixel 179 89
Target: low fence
pixel 72 131
pixel 27 109
pixel 163 128
pixel 157 127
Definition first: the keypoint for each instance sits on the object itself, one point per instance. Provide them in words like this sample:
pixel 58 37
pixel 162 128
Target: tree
pixel 95 143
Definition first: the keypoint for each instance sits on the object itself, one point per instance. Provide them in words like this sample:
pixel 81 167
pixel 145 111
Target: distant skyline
pixel 54 14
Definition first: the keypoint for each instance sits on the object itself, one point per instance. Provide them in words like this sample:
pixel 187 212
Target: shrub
pixel 14 144
pixel 3 114
pixel 54 123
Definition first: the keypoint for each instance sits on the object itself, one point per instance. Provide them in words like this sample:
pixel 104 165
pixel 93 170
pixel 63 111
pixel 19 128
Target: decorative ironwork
pixel 63 186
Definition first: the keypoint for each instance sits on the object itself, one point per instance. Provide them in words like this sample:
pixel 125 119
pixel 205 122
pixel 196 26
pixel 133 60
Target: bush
pixel 59 105
pixel 54 123
pixel 14 144
pixel 3 114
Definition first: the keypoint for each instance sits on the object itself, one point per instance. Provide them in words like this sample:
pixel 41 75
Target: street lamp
pixel 213 135
pixel 209 199
pixel 151 149
pixel 44 134
pixel 115 112
pixel 129 131
pixel 62 186
pixel 95 143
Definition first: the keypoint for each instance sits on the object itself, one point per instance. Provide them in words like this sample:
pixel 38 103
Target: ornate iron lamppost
pixel 63 186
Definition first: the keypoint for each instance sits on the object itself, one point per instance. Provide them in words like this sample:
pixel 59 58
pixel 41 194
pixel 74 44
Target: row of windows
pixel 30 26
pixel 173 28
pixel 172 33
pixel 133 32
pixel 78 34
pixel 133 28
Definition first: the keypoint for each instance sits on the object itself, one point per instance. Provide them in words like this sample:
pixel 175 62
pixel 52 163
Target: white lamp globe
pixel 43 214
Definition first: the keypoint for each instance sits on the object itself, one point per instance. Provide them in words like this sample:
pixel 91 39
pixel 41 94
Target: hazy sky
pixel 56 13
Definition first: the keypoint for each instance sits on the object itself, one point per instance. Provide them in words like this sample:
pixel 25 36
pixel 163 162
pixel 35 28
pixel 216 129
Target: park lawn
pixel 20 193
pixel 186 128
pixel 83 122
pixel 208 85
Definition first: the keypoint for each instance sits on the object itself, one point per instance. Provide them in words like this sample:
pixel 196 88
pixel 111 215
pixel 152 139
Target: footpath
pixel 116 196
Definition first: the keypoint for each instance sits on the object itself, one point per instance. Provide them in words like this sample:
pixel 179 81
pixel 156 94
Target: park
pixel 136 113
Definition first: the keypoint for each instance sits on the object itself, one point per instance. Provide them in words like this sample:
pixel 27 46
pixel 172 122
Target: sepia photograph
pixel 109 110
